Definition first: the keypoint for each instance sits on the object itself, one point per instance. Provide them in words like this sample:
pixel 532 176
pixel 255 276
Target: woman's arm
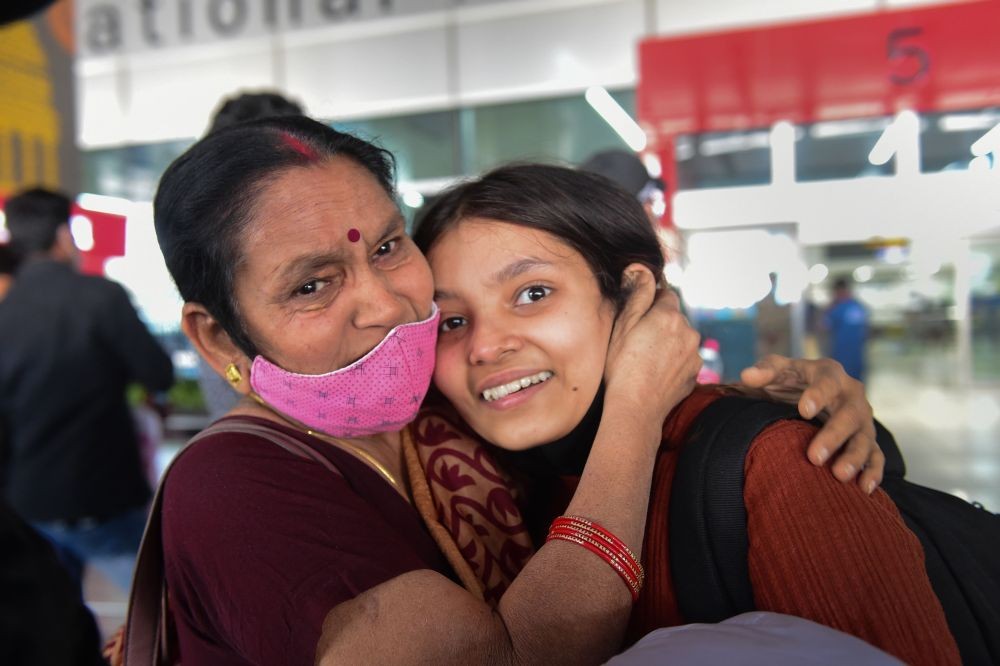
pixel 821 388
pixel 566 605
pixel 825 551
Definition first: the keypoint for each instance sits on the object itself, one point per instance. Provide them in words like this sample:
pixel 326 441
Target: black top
pixel 536 469
pixel 69 344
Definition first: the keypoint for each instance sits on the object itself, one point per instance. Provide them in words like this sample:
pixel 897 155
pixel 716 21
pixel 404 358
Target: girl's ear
pixel 633 274
pixel 216 347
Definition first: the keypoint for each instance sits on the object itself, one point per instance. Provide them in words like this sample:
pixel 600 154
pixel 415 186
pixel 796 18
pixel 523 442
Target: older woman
pixel 303 290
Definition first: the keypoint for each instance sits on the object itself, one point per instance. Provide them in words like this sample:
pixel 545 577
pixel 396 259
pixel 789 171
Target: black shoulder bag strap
pixel 708 522
pixel 146 635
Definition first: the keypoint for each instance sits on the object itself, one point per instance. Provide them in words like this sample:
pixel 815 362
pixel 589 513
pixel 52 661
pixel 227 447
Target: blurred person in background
pixel 219 396
pixel 846 322
pixel 9 262
pixel 253 106
pixel 70 344
pixel 43 619
pixel 627 170
pixel 8 266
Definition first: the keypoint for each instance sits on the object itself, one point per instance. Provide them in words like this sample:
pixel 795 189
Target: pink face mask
pixel 379 392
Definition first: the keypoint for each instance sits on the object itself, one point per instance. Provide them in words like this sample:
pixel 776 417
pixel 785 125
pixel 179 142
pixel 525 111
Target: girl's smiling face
pixel 524 331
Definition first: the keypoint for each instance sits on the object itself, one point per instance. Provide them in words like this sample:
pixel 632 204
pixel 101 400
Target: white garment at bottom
pixel 753 639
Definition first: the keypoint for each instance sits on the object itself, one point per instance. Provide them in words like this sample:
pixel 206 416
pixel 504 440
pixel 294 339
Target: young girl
pixel 531 266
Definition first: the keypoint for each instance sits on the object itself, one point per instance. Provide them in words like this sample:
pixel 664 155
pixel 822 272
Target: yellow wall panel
pixel 27 111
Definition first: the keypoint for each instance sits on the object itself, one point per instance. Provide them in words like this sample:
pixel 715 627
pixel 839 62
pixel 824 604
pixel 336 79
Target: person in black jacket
pixel 43 620
pixel 69 345
pixel 8 266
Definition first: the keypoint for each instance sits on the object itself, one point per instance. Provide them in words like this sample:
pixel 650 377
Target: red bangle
pixel 631 582
pixel 579 524
pixel 604 544
pixel 593 527
pixel 613 556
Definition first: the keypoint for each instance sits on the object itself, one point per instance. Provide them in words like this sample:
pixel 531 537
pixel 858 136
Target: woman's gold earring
pixel 233 374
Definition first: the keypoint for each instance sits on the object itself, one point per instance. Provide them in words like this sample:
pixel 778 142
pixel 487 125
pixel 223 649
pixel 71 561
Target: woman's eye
pixel 387 247
pixel 451 323
pixel 533 294
pixel 310 287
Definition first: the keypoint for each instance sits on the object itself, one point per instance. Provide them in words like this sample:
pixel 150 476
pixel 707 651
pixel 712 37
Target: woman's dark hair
pixel 207 199
pixel 590 213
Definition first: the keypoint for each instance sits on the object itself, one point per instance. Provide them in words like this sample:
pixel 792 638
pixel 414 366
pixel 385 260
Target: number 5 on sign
pixel 901 48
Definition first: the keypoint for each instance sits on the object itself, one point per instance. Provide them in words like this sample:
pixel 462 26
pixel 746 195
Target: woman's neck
pixel 383 452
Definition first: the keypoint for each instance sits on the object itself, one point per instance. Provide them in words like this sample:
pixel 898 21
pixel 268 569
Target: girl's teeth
pixel 504 390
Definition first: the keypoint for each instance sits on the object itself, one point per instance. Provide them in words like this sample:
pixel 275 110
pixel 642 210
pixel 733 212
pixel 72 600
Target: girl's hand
pixel 823 390
pixel 653 355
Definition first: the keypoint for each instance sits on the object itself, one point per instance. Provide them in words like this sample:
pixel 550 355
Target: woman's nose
pixel 491 341
pixel 379 304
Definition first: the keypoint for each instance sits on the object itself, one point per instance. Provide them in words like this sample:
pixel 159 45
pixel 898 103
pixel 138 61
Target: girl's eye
pixel 451 323
pixel 311 287
pixel 533 294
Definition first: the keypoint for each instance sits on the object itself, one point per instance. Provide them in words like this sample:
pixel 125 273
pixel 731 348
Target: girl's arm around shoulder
pixel 826 551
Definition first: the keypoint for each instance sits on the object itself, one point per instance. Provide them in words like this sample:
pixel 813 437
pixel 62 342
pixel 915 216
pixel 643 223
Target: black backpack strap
pixel 708 523
pixel 894 464
pixel 146 639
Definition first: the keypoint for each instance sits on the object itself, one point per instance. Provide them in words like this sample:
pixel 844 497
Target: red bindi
pixel 353 235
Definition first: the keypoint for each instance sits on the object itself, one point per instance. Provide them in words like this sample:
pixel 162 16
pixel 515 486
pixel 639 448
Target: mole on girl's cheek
pixel 576 388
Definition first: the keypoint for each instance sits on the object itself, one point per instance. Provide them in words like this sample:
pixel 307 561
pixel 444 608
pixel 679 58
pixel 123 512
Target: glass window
pixel 131 172
pixel 839 149
pixel 721 159
pixel 427 146
pixel 946 143
pixel 424 144
pixel 564 129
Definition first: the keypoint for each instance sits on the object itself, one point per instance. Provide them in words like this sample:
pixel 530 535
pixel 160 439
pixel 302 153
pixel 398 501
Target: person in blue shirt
pixel 847 323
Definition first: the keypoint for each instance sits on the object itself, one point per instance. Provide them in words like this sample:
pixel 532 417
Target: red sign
pixel 105 238
pixel 108 239
pixel 942 58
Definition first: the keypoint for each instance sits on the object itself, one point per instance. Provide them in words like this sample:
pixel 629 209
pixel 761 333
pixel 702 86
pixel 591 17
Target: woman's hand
pixel 653 354
pixel 823 390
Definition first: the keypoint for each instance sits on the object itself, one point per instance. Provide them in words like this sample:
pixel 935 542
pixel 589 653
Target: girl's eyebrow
pixel 508 272
pixel 519 267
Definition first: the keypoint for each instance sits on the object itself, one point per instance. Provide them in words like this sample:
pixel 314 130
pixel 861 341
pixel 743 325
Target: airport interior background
pixel 799 142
